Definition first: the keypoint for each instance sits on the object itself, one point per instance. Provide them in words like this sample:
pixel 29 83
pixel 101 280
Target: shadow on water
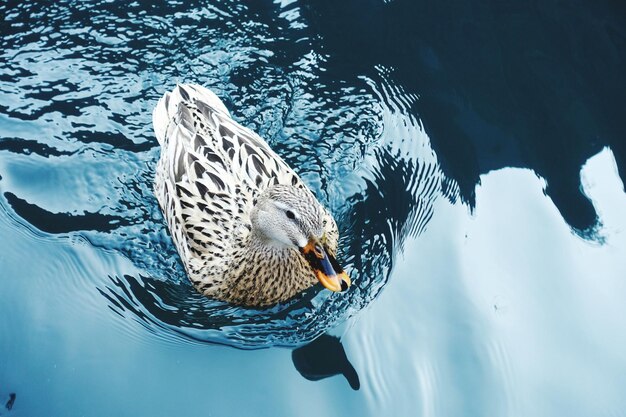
pixel 501 83
pixel 322 358
pixel 10 401
pixel 63 222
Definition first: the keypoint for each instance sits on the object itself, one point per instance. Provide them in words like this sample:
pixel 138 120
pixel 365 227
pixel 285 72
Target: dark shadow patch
pixel 11 401
pixel 49 222
pixel 322 358
pixel 27 147
pixel 115 139
pixel 67 107
pixel 500 83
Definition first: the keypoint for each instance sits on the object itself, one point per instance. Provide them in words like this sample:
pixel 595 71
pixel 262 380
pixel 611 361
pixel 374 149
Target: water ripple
pixel 82 86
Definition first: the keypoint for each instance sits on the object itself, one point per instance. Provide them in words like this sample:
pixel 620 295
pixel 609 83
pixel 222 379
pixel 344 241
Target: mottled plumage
pixel 211 174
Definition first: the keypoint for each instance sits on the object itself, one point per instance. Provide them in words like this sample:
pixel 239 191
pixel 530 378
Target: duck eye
pixel 290 214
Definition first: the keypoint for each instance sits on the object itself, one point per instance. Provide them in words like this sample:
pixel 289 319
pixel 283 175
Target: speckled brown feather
pixel 209 175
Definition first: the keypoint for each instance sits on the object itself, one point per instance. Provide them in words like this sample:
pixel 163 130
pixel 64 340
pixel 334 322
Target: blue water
pixel 473 156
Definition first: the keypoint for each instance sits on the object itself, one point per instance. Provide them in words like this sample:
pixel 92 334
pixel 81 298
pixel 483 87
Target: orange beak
pixel 325 267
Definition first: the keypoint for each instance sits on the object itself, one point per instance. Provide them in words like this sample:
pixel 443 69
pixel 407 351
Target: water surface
pixel 472 158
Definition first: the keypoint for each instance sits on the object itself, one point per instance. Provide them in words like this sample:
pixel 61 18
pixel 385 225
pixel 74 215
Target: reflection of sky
pixel 504 311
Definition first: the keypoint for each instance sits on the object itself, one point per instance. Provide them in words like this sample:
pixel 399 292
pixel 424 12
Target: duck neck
pixel 266 272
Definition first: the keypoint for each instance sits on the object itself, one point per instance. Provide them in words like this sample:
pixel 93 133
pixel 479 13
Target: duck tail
pixel 167 106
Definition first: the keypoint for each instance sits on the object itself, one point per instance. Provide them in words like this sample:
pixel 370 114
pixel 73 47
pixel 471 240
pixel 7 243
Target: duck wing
pixel 210 172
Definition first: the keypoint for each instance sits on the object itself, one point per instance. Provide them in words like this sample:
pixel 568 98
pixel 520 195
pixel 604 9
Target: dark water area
pixel 472 153
pixel 538 85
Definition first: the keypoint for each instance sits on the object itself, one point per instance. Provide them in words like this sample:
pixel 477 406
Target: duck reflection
pixel 325 357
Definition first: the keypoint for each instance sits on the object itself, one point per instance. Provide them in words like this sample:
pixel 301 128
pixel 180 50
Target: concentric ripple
pixel 77 153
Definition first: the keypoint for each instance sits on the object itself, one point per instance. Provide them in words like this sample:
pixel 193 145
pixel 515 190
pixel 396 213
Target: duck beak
pixel 325 267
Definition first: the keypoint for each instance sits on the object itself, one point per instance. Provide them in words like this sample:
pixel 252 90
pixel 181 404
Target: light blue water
pixel 486 302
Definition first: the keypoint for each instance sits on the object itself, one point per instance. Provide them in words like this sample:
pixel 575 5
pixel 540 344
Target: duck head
pixel 289 216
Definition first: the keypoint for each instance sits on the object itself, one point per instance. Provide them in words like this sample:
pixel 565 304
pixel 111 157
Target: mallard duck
pixel 246 227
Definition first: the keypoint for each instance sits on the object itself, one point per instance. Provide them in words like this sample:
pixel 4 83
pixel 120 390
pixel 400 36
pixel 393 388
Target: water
pixel 471 155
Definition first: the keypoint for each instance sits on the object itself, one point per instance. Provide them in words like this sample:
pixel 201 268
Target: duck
pixel 246 227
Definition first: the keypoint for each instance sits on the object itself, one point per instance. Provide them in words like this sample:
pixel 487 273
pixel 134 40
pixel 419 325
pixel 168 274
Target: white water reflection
pixel 504 311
